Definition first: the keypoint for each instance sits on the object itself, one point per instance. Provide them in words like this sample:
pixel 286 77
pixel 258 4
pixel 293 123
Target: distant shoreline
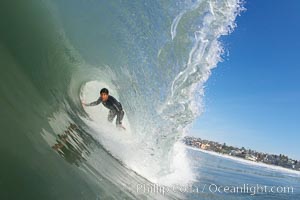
pixel 261 164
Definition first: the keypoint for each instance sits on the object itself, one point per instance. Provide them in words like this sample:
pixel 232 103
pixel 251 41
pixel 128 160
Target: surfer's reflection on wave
pixel 72 145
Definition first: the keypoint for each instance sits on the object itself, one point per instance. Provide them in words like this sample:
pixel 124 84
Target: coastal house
pixel 205 146
pixel 250 157
pixel 197 144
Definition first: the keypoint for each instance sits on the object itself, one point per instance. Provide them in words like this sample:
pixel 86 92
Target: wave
pixel 153 56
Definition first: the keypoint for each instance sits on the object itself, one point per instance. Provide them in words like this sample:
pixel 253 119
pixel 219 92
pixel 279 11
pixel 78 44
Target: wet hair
pixel 104 90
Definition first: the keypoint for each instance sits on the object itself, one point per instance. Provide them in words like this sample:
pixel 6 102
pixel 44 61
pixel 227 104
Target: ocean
pixel 223 177
pixel 154 57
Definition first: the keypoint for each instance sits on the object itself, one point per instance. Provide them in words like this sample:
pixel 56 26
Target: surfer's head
pixel 104 94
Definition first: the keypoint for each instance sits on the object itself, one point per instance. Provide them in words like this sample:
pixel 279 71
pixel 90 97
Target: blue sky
pixel 252 98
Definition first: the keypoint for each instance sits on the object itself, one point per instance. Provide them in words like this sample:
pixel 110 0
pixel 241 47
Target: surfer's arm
pixel 94 103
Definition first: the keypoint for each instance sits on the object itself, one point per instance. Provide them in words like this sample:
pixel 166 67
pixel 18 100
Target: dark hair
pixel 104 90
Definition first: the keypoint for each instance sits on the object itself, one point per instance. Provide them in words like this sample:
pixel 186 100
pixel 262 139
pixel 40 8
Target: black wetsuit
pixel 115 108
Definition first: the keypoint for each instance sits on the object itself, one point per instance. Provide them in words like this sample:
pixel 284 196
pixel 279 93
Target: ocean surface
pixel 153 56
pixel 220 177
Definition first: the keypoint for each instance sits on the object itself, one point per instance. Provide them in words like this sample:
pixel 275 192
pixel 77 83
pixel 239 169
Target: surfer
pixel 115 107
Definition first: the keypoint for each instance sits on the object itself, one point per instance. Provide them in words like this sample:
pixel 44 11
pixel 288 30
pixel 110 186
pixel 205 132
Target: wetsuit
pixel 115 109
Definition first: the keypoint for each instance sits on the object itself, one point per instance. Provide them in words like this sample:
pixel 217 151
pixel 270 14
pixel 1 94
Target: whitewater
pixel 153 56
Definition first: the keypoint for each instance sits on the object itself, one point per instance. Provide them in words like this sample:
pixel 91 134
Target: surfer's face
pixel 104 96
